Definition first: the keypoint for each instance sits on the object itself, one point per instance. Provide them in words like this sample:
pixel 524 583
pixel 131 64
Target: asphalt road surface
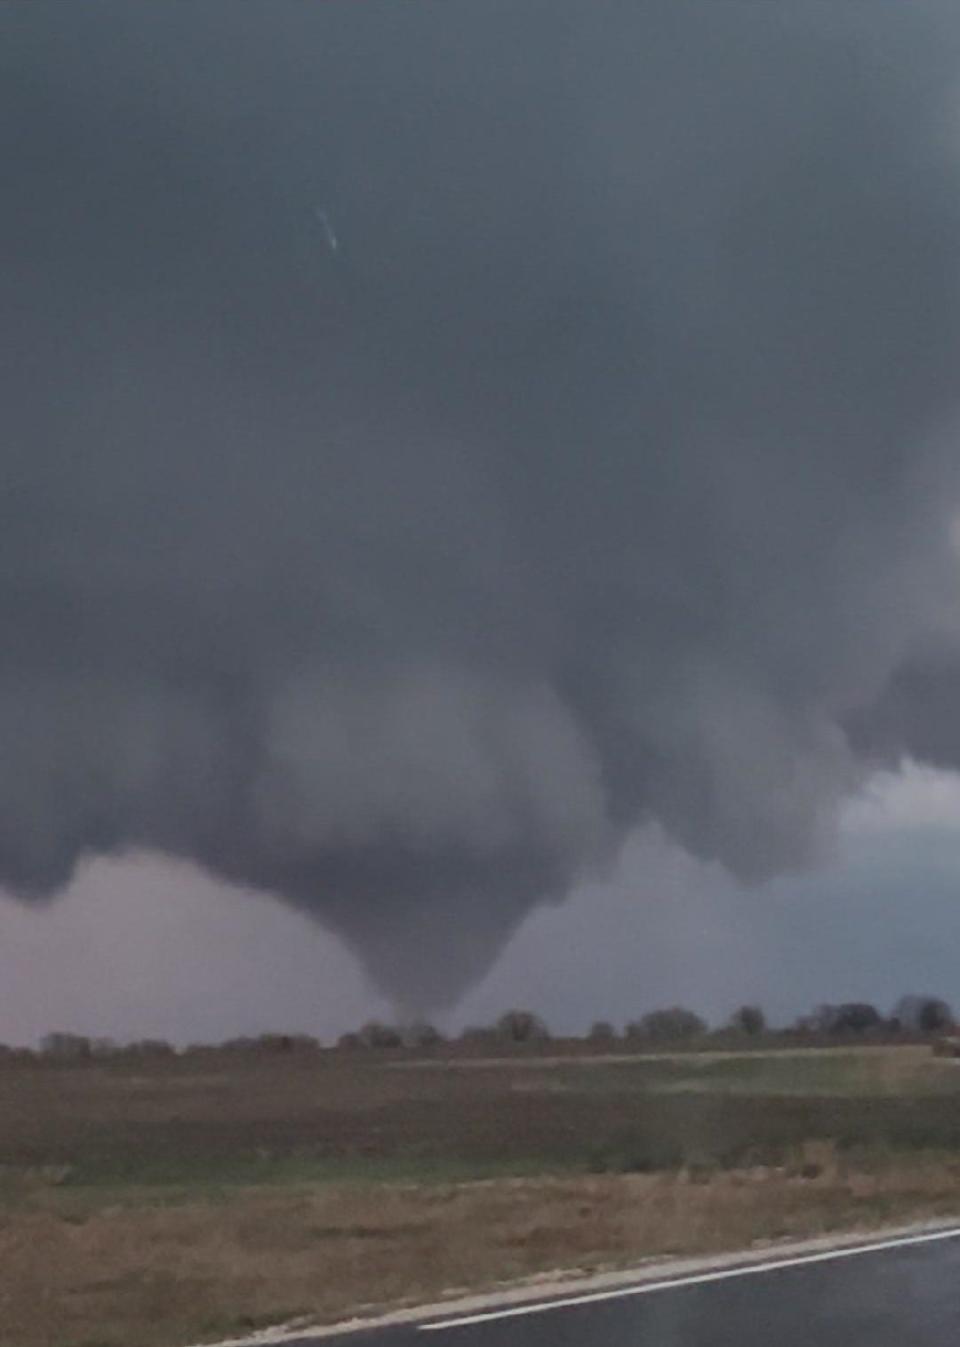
pixel 905 1294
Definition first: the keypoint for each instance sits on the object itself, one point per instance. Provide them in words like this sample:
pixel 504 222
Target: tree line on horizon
pixel 912 1015
pixel 919 1015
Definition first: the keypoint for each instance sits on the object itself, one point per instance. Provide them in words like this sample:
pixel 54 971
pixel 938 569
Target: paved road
pixel 907 1296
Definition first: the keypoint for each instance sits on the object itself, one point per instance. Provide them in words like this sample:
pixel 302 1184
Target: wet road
pixel 907 1295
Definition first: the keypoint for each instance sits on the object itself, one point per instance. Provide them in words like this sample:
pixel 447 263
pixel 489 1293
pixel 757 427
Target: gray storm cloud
pixel 438 438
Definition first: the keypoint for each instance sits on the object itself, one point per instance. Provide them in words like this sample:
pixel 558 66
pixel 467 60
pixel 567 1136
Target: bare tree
pixel 376 1035
pixel 521 1026
pixel 748 1020
pixel 923 1015
pixel 420 1034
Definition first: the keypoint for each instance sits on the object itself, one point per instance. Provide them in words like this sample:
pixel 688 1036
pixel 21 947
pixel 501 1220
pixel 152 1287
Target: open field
pixel 328 1116
pixel 150 1204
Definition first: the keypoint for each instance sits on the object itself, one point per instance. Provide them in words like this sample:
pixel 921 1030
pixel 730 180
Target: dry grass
pixel 137 1273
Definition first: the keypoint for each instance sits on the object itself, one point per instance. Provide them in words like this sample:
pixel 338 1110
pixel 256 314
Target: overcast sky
pixel 463 455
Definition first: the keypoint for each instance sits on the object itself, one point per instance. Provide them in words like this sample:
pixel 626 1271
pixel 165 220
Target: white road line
pixel 699 1279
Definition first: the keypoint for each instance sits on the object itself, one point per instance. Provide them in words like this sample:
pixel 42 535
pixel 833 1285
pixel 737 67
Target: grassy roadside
pixel 156 1267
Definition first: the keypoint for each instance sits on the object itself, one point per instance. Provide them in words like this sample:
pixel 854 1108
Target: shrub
pixel 150 1047
pixel 851 1017
pixel 479 1035
pixel 665 1025
pixel 71 1047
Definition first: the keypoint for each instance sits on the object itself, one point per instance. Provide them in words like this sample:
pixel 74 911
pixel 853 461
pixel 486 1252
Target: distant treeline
pixel 912 1017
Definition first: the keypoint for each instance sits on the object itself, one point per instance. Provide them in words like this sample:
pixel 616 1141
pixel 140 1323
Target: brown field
pixel 152 1204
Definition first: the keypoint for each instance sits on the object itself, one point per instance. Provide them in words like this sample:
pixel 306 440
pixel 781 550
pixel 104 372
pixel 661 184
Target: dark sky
pixel 443 439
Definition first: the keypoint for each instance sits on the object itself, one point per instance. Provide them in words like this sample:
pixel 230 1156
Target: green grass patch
pixel 184 1179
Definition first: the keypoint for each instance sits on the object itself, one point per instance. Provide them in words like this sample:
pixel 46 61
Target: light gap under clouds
pixel 149 947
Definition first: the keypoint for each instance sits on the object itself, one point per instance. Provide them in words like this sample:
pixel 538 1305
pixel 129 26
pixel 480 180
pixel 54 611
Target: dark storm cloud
pixel 438 437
